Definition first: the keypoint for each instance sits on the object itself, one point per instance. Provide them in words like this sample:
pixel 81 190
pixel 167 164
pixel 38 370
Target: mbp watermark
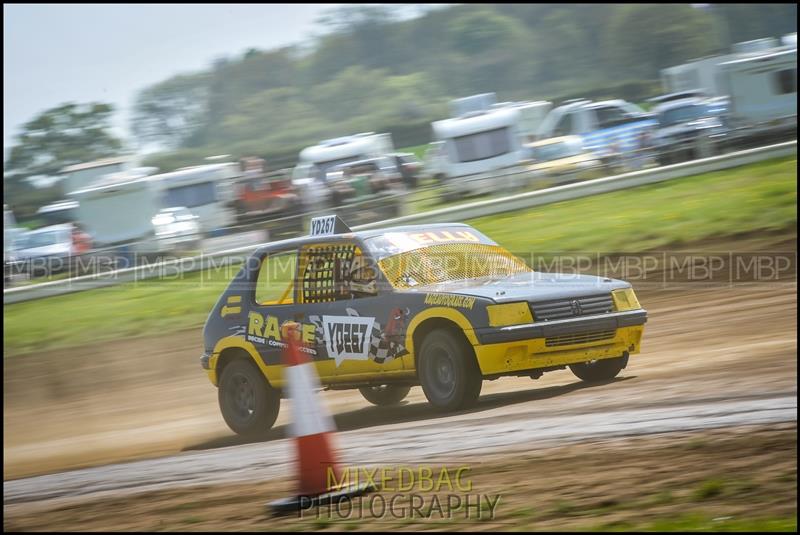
pixel 406 493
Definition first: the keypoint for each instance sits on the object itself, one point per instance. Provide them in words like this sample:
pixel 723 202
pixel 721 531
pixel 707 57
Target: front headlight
pixel 509 314
pixel 625 300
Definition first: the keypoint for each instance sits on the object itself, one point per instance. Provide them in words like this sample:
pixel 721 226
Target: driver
pixel 362 277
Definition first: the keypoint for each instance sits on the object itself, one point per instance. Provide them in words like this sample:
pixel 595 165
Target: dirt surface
pixel 714 356
pixel 148 397
pixel 712 479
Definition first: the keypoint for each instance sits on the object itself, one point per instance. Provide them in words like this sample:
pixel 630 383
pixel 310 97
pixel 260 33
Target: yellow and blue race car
pixel 441 306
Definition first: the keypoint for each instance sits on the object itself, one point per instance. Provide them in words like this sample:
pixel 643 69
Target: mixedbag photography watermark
pixel 406 493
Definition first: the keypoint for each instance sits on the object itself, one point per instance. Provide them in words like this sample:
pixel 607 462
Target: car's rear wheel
pixel 448 372
pixel 599 370
pixel 248 403
pixel 384 395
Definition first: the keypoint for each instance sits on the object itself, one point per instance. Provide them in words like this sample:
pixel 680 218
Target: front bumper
pixel 205 359
pixel 208 361
pixel 548 329
pixel 528 347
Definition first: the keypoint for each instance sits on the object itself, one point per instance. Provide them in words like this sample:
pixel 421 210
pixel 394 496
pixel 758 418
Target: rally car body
pixel 367 301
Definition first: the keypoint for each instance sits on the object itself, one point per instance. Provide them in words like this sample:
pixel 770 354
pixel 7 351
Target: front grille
pixel 581 338
pixel 571 308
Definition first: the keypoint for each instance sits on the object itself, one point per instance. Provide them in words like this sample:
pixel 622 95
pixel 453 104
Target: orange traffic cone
pixel 312 428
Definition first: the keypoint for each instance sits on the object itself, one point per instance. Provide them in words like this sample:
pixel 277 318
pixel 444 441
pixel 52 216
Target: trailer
pixel 118 209
pixel 309 175
pixel 759 82
pixel 483 145
pixel 762 89
pixel 206 190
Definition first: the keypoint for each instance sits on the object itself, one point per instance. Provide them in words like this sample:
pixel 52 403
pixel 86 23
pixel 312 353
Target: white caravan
pixel 82 175
pixel 759 79
pixel 483 146
pixel 762 90
pixel 116 209
pixel 697 75
pixel 206 190
pixel 119 208
pixel 309 174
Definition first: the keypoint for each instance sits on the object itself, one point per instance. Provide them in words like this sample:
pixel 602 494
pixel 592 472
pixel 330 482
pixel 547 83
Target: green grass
pixel 760 196
pixel 751 198
pixel 709 489
pixel 417 150
pixel 701 522
pixel 131 309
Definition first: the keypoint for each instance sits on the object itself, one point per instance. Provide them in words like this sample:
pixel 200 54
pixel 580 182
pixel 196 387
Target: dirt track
pixel 724 479
pixel 712 356
pixel 710 345
pixel 138 398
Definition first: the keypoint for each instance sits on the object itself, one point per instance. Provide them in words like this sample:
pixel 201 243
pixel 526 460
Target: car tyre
pixel 448 371
pixel 599 370
pixel 248 403
pixel 385 395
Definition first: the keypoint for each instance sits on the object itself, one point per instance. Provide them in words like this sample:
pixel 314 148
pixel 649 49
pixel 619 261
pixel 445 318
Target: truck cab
pixel 605 127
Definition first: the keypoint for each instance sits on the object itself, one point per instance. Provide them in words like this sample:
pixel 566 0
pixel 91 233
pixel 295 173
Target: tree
pixel 65 135
pixel 375 68
pixel 491 52
pixel 171 111
pixel 645 38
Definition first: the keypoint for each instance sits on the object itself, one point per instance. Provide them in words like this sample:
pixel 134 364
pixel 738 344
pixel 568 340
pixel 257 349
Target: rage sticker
pixel 266 330
pixel 347 337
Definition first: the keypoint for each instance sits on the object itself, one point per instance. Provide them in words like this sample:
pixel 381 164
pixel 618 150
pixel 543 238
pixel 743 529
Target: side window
pixel 565 125
pixel 609 116
pixel 276 276
pixel 785 81
pixel 336 272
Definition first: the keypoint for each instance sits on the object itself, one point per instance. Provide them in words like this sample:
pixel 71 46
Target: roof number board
pixel 327 225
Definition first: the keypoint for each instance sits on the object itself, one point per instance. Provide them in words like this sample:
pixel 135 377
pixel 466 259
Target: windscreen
pixel 482 145
pixel 323 167
pixel 192 195
pixel 683 114
pixel 410 259
pixel 46 238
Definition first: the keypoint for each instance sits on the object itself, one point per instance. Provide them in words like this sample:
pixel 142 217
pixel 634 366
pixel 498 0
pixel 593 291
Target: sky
pixel 94 52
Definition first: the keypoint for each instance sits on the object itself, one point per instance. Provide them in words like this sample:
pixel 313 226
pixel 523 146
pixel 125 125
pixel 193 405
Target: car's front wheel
pixel 599 370
pixel 384 395
pixel 248 403
pixel 448 372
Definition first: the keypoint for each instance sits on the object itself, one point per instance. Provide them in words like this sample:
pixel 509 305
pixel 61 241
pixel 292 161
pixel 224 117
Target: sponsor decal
pixel 450 300
pixel 233 306
pixel 390 346
pixel 266 330
pixel 238 330
pixel 342 336
pixel 347 337
pixel 412 240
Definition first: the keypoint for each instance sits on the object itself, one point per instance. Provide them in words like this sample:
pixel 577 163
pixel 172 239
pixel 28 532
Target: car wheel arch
pixel 431 324
pixel 228 355
pixel 231 348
